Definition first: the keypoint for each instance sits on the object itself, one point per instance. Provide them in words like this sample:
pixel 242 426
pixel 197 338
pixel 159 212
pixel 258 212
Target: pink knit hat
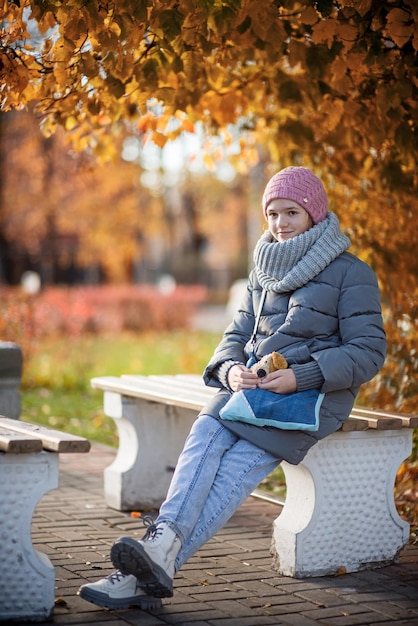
pixel 302 186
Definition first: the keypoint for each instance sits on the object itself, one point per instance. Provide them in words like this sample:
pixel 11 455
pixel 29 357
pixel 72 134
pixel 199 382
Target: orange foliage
pixel 406 495
pixel 337 75
pixel 64 207
pixel 331 85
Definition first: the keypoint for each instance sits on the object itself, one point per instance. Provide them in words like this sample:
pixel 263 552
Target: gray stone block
pixel 11 361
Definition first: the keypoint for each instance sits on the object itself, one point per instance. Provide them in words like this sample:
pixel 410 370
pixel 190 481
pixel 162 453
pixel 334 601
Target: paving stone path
pixel 229 582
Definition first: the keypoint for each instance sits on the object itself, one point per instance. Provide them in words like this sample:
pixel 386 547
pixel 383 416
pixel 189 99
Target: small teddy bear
pixel 269 363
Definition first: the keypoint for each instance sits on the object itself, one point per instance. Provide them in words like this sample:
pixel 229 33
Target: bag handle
pixel 258 316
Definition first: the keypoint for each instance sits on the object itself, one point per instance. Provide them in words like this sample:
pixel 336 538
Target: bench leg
pixel 27 577
pixel 339 515
pixel 151 437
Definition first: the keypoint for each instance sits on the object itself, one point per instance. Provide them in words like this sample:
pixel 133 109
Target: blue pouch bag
pixel 290 411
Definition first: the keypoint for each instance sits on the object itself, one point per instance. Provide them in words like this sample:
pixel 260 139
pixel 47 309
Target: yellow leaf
pixel 264 22
pixel 48 126
pixel 88 65
pixel 297 53
pixel 309 16
pixel 46 22
pixel 104 120
pixel 362 6
pixel 115 28
pixel 415 40
pixel 338 69
pixel 188 126
pixel 348 34
pixel 146 122
pixel 60 74
pixel 334 110
pixel 63 49
pixel 70 122
pixel 159 139
pixel 324 32
pixel 209 162
pixel 172 80
pixel 399 27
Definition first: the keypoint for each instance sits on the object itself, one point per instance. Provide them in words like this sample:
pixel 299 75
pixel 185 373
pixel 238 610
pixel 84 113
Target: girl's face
pixel 286 219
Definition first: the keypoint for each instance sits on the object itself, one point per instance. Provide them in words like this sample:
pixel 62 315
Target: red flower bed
pixel 73 311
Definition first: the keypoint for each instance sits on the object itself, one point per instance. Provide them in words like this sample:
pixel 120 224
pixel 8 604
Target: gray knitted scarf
pixel 286 266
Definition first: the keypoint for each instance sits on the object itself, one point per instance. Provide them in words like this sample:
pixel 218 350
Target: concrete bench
pixel 339 514
pixel 28 470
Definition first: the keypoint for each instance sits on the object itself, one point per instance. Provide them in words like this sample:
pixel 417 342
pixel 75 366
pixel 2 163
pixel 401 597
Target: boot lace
pixel 153 531
pixel 115 577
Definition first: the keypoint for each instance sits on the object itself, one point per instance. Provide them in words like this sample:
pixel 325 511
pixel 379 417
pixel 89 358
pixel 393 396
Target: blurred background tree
pixel 330 85
pixel 74 220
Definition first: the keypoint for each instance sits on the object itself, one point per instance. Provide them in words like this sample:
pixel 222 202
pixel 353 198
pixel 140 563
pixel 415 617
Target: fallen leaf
pixel 340 571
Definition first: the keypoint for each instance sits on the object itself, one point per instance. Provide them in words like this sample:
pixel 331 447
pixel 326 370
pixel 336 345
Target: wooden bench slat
pixel 408 421
pixel 50 439
pixel 169 382
pixel 166 385
pixel 173 382
pixel 187 381
pixel 353 424
pixel 167 388
pixel 18 443
pixel 189 391
pixel 380 423
pixel 152 391
pixel 193 385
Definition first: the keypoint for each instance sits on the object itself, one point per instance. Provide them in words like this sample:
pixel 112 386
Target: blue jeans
pixel 215 473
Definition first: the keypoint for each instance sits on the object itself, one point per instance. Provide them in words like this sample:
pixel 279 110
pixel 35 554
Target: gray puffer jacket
pixel 334 321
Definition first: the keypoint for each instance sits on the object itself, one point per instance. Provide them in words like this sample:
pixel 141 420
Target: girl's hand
pixel 240 377
pixel 281 381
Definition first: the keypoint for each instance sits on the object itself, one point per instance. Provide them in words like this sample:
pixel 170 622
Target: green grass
pixel 75 411
pixel 72 362
pixel 56 389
